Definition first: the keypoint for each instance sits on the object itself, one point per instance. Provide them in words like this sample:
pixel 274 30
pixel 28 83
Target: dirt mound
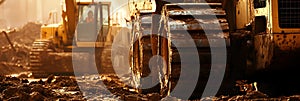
pixel 12 59
pixel 25 35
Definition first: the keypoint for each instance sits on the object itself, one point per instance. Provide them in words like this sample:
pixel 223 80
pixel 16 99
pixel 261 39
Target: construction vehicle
pixel 182 32
pixel 265 42
pixel 74 32
pixel 260 35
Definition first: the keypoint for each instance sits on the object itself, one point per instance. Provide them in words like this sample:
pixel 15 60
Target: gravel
pixel 14 88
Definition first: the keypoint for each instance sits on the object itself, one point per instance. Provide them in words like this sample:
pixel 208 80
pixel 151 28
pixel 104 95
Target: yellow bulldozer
pixel 263 34
pixel 85 24
pixel 265 42
pixel 261 41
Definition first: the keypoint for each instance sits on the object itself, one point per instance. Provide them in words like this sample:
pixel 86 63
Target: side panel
pixel 243 13
pixel 263 41
pixel 263 49
pixel 276 28
pixel 286 40
pixel 286 52
pixel 50 32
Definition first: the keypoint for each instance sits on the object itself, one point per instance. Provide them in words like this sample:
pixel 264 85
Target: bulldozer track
pixel 38 51
pixel 141 49
pixel 202 21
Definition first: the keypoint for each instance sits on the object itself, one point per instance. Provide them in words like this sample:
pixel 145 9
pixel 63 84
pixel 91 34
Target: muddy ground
pixel 95 87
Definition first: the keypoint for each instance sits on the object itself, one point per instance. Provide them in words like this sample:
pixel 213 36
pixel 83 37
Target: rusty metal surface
pixel 263 48
pixel 287 42
pixel 286 52
pixel 193 19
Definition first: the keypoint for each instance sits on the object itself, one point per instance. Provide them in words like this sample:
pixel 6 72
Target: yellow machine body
pixel 57 40
pixel 54 32
pixel 63 34
pixel 286 39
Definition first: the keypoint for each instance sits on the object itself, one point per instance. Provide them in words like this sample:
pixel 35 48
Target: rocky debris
pixel 154 96
pixel 50 78
pixel 36 96
pixel 64 81
pixel 96 87
pixel 294 98
pixel 9 55
pixel 169 98
pixel 24 81
pixel 250 95
pixel 8 68
pixel 24 75
pixel 132 98
pixel 114 85
pixel 14 89
pixel 245 86
pixel 120 91
pixel 10 91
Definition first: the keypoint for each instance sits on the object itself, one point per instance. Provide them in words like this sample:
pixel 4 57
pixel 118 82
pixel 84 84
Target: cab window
pixel 87 28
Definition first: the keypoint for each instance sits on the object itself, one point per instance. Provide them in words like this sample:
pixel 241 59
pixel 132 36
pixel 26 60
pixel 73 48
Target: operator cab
pixel 93 24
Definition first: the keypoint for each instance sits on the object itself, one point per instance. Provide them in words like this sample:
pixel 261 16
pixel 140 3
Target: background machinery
pixel 49 53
